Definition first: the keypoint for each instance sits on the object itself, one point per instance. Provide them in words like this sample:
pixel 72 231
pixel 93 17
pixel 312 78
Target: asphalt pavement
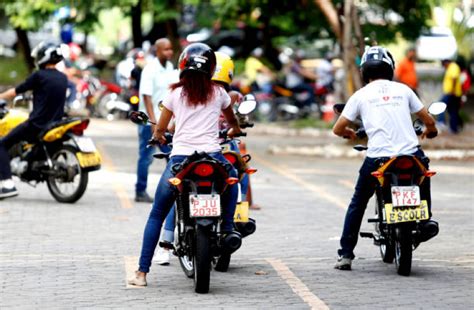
pixel 61 256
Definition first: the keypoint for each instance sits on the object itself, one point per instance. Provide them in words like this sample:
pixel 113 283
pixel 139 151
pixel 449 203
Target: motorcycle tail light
pixel 429 173
pixel 250 170
pixel 174 181
pixel 232 181
pixel 204 183
pixel 404 163
pixel 404 176
pixel 204 170
pixel 78 130
pixel 377 174
pixel 231 158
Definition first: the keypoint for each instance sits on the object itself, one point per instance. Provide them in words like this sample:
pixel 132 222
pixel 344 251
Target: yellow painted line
pixel 347 183
pixel 320 191
pixel 298 287
pixel 131 263
pixel 120 191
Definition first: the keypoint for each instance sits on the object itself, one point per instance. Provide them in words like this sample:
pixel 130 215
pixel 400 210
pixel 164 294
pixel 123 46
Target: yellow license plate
pixel 406 214
pixel 242 212
pixel 88 159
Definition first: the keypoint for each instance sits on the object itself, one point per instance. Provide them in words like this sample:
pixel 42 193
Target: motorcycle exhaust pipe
pixel 246 228
pixel 429 230
pixel 232 242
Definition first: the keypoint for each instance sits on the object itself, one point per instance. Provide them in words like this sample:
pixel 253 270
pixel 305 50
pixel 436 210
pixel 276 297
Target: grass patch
pixel 13 70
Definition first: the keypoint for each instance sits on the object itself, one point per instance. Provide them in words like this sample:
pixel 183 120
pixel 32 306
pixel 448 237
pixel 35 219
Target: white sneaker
pixel 162 257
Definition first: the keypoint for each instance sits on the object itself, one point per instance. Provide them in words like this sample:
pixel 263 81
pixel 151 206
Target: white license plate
pixel 405 196
pixel 204 205
pixel 85 144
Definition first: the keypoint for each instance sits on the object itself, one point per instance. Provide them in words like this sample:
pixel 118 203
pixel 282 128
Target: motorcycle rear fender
pixel 206 223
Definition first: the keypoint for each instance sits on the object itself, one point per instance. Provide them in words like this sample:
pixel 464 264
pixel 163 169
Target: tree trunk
pixel 24 46
pixel 136 12
pixel 332 17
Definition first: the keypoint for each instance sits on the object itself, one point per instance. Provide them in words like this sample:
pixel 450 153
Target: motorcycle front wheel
pixel 387 249
pixel 202 262
pixel 187 266
pixel 403 250
pixel 68 182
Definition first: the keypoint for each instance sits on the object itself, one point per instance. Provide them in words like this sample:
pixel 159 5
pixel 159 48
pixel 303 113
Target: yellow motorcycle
pixel 62 156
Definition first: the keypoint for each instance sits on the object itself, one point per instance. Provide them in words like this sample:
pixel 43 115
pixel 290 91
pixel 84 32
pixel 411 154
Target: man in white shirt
pixel 385 108
pixel 154 87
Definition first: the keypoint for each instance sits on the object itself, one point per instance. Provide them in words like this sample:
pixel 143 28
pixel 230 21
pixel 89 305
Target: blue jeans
pixel 164 200
pixel 145 157
pixel 364 190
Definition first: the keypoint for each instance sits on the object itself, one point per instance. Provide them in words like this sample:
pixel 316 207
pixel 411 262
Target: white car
pixel 438 44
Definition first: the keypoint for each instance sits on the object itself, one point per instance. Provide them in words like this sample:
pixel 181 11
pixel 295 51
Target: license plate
pixel 88 159
pixel 85 144
pixel 405 196
pixel 204 205
pixel 242 212
pixel 395 214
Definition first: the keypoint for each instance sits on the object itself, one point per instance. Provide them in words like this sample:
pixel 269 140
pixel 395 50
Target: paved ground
pixel 60 256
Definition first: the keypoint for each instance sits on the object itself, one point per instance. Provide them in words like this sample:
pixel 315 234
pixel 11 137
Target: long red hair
pixel 198 88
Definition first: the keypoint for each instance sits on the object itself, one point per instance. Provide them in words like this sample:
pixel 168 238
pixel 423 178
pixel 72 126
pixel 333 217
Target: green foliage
pixel 414 18
pixel 29 14
pixel 14 70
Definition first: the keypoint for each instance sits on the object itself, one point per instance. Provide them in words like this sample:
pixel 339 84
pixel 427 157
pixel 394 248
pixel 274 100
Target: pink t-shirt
pixel 196 127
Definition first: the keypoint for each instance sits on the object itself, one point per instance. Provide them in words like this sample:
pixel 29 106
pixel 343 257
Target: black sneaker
pixel 8 192
pixel 143 197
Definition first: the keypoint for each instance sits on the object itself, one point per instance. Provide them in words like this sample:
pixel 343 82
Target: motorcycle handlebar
pixel 246 125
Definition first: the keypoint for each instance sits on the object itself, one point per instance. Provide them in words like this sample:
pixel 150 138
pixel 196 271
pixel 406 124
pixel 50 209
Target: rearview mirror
pixel 338 107
pixel 248 104
pixel 437 108
pixel 138 117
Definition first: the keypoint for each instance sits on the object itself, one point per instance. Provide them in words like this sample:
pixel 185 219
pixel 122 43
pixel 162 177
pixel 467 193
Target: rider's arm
pixel 162 125
pixel 430 124
pixel 341 128
pixel 231 120
pixel 8 94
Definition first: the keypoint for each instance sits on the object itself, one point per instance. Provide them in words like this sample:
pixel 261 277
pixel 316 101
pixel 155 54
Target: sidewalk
pixel 323 143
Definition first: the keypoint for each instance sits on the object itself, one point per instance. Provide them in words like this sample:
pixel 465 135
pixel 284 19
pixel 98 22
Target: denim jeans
pixel 164 200
pixel 364 190
pixel 23 132
pixel 145 157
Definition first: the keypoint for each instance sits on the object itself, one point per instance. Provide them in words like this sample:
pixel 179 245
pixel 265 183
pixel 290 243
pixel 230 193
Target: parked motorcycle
pixel 401 208
pixel 62 157
pixel 200 181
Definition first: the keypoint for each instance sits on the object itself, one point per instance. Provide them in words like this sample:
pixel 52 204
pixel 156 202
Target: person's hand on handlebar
pixel 429 133
pixel 234 131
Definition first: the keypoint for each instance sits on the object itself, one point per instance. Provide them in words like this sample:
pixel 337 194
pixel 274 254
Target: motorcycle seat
pixel 58 123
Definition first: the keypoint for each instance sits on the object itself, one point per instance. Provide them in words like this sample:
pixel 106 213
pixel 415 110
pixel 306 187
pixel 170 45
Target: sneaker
pixel 162 257
pixel 8 192
pixel 343 263
pixel 137 280
pixel 143 197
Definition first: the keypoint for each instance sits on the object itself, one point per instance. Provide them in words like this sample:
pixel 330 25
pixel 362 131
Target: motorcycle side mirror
pixel 338 107
pixel 138 117
pixel 248 104
pixel 437 108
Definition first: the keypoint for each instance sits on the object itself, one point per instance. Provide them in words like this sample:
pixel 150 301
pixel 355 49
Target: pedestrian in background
pixel 405 71
pixel 452 93
pixel 156 77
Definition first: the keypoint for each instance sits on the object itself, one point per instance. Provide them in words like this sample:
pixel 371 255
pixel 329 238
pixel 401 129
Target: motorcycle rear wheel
pixel 64 190
pixel 202 262
pixel 403 250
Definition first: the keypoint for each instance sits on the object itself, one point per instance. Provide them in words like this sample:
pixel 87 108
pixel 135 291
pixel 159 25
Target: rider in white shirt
pixel 385 108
